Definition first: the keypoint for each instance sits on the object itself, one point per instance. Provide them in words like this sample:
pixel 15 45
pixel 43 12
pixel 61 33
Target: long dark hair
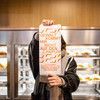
pixel 63 43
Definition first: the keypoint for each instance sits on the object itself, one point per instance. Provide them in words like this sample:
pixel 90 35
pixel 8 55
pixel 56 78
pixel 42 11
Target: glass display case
pixel 16 79
pixel 25 77
pixel 84 46
pixel 3 70
pixel 88 68
pixel 5 65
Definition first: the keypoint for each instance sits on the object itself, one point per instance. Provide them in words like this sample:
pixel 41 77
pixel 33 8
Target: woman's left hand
pixel 54 80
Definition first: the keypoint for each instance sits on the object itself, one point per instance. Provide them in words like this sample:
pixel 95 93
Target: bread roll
pixel 95 77
pixel 2 53
pixel 3 65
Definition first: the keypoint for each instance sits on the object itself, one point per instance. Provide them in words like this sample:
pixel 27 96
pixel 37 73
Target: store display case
pixel 83 45
pixel 4 65
pixel 88 70
pixel 16 79
pixel 3 70
pixel 24 80
pixel 25 77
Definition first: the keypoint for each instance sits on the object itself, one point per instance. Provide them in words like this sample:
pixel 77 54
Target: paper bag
pixel 50 49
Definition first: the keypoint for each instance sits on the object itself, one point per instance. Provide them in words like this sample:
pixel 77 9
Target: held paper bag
pixel 50 49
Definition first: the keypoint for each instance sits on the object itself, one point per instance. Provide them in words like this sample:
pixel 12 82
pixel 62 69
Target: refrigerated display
pixel 3 70
pixel 88 68
pixel 25 77
pixel 84 46
pixel 16 79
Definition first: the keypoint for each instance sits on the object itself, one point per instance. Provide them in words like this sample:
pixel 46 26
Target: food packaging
pixel 50 49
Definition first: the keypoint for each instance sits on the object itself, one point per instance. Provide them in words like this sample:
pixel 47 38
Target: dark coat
pixel 70 76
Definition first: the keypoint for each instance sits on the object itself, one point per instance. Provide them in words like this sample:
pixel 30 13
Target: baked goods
pixel 2 53
pixel 84 65
pixel 3 65
pixel 3 50
pixel 80 66
pixel 80 50
pixel 95 77
pixel 89 77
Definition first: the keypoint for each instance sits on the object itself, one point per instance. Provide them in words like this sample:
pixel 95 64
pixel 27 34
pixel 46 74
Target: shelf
pixel 3 71
pixel 22 78
pixel 84 55
pixel 90 82
pixel 87 56
pixel 88 69
pixel 3 83
pixel 23 57
pixel 26 82
pixel 3 56
pixel 86 90
pixel 24 69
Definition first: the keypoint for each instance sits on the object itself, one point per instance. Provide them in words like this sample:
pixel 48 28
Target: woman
pixel 68 83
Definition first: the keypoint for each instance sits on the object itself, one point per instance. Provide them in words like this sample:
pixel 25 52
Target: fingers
pixel 51 75
pixel 53 84
pixel 54 80
pixel 48 22
pixel 51 78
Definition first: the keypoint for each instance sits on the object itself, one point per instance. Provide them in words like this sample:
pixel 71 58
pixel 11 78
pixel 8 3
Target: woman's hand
pixel 48 22
pixel 54 80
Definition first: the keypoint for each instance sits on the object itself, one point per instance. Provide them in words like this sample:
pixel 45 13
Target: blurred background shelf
pixel 3 71
pixel 3 84
pixel 3 56
pixel 89 69
pixel 90 82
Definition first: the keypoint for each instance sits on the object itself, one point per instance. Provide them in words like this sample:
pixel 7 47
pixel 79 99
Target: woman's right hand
pixel 48 22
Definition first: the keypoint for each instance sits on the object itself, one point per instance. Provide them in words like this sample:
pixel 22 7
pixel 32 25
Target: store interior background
pixel 30 13
pixel 20 15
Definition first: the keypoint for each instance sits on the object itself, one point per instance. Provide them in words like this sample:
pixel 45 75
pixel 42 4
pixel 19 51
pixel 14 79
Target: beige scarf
pixel 55 91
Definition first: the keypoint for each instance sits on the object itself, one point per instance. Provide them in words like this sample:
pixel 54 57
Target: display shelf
pixel 23 57
pixel 26 92
pixel 86 90
pixel 89 69
pixel 26 82
pixel 3 71
pixel 90 82
pixel 87 57
pixel 26 79
pixel 3 83
pixel 97 56
pixel 24 69
pixel 3 56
